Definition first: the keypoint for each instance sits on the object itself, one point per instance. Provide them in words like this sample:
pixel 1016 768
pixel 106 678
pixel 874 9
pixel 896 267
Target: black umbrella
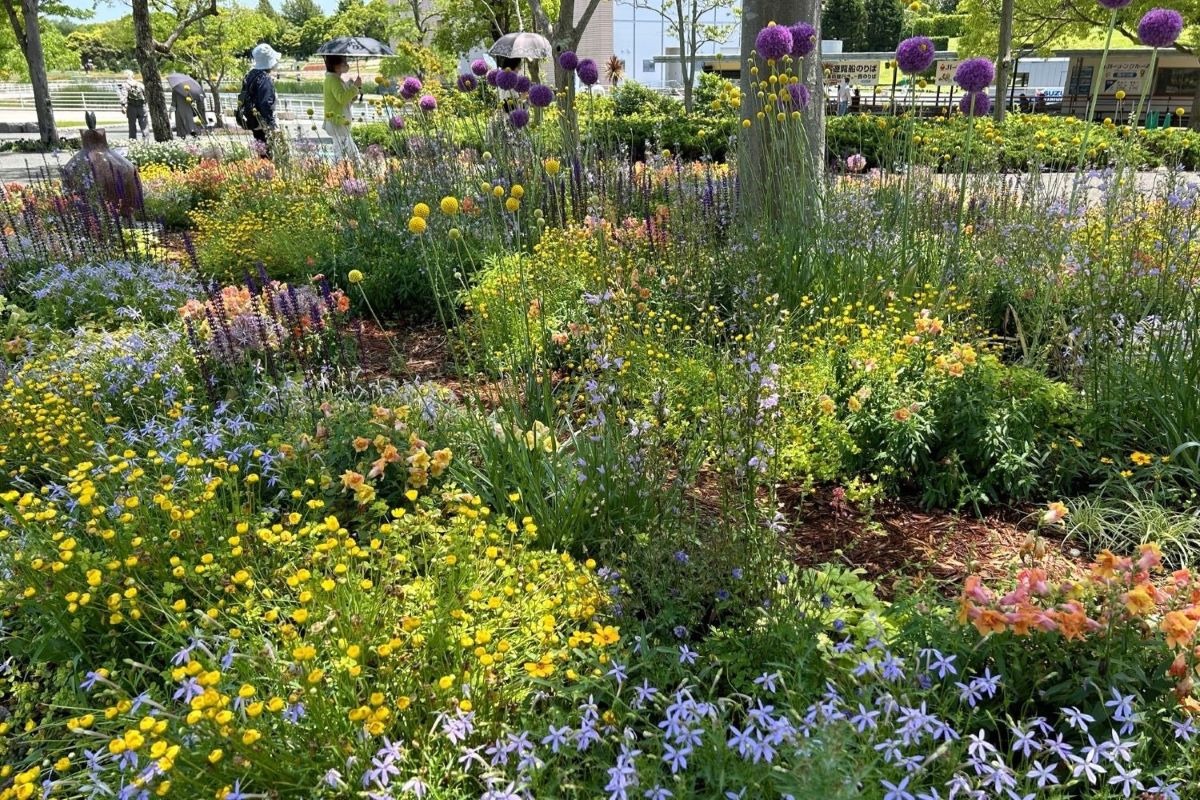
pixel 184 85
pixel 355 47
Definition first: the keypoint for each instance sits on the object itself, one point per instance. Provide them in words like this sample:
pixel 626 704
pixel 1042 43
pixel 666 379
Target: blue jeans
pixel 842 106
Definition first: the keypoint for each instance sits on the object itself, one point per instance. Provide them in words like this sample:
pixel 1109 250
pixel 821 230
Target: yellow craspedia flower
pixel 518 191
pixel 552 166
pixel 354 276
pixel 512 204
pixel 421 210
pixel 1120 95
pixel 417 225
pixel 449 206
pixel 497 191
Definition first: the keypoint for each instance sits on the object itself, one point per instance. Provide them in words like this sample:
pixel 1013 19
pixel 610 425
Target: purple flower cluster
pixel 506 80
pixel 804 39
pixel 479 67
pixel 410 87
pixel 428 103
pixel 467 82
pixel 568 60
pixel 588 72
pixel 975 74
pixel 975 104
pixel 773 42
pixel 540 95
pixel 518 118
pixel 800 95
pixel 915 55
pixel 1160 27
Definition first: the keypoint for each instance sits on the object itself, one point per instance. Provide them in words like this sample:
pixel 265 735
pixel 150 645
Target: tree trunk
pixel 1003 59
pixel 215 88
pixel 1195 121
pixel 28 34
pixel 757 176
pixel 36 59
pixel 156 101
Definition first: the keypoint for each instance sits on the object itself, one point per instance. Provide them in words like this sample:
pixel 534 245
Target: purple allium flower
pixel 427 102
pixel 506 80
pixel 1114 5
pixel 915 55
pixel 410 87
pixel 1160 27
pixel 588 72
pixel 540 95
pixel 856 162
pixel 396 122
pixel 523 83
pixel 492 75
pixel 568 60
pixel 518 118
pixel 975 104
pixel 975 74
pixel 804 39
pixel 467 82
pixel 479 67
pixel 799 94
pixel 773 42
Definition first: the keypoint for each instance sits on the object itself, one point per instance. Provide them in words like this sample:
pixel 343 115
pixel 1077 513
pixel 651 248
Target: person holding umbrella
pixel 256 100
pixel 187 100
pixel 339 95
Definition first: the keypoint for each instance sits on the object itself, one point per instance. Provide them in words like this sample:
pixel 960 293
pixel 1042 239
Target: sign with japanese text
pixel 1127 74
pixel 860 73
pixel 945 72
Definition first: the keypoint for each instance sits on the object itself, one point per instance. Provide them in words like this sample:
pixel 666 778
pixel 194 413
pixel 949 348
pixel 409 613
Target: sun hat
pixel 264 57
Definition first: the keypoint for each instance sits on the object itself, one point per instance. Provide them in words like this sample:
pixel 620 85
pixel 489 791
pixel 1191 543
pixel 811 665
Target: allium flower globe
pixel 428 103
pixel 479 67
pixel 804 39
pixel 773 42
pixel 856 162
pixel 1114 5
pixel 410 87
pixel 800 95
pixel 568 60
pixel 975 104
pixel 915 55
pixel 518 118
pixel 588 72
pixel 396 123
pixel 975 74
pixel 1160 27
pixel 540 95
pixel 523 83
pixel 506 80
pixel 492 75
pixel 467 82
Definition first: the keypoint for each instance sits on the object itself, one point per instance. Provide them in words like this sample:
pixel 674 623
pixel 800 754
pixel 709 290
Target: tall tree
pixel 298 12
pixel 846 20
pixel 885 20
pixel 147 49
pixel 1038 24
pixel 26 23
pixel 267 10
pixel 564 32
pixel 463 24
pixel 692 23
pixel 213 47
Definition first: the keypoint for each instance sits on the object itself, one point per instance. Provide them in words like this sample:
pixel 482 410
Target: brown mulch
pixel 899 543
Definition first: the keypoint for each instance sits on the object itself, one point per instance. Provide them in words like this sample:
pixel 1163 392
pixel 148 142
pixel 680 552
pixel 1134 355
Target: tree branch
pixel 586 18
pixel 164 47
pixel 540 18
pixel 18 29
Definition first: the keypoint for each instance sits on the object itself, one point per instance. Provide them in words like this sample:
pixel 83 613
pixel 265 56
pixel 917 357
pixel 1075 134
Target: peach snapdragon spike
pixel 1120 593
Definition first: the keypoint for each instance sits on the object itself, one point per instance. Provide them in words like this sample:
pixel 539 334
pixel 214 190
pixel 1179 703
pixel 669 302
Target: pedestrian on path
pixel 256 101
pixel 339 95
pixel 133 104
pixel 843 97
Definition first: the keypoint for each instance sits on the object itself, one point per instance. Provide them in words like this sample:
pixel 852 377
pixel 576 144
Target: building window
pixel 647 65
pixel 1176 80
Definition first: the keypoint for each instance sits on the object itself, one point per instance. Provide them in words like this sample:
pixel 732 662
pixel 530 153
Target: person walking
pixel 339 95
pixel 133 104
pixel 843 97
pixel 189 114
pixel 256 101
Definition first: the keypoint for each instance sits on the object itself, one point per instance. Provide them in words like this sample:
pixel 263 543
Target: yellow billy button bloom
pixel 449 206
pixel 354 276
pixel 421 210
pixel 417 225
pixel 512 204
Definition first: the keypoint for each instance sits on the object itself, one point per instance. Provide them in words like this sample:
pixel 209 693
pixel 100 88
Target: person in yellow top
pixel 339 95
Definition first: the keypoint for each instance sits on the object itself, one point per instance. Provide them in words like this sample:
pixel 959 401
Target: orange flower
pixel 351 480
pixel 1139 601
pixel 361 443
pixel 1105 565
pixel 990 621
pixel 1178 628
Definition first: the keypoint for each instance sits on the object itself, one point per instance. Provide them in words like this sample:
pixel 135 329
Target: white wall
pixel 640 34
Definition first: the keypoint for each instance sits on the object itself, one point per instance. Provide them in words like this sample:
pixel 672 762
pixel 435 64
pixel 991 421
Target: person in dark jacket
pixel 258 93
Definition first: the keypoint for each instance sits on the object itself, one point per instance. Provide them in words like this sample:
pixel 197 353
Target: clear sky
pixel 104 10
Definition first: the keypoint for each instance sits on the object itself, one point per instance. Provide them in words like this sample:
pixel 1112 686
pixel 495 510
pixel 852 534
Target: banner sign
pixel 860 73
pixel 1125 74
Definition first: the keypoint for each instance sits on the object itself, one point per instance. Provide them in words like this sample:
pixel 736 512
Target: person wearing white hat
pixel 256 101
